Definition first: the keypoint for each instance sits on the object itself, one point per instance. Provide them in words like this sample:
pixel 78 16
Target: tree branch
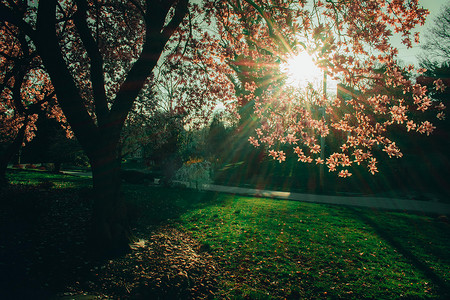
pixel 156 37
pixel 16 91
pixel 8 15
pixel 36 107
pixel 96 62
pixel 71 102
pixel 180 11
pixel 138 6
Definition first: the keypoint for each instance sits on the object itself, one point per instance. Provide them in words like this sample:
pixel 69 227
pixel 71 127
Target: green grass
pixel 277 249
pixel 37 177
pixel 273 249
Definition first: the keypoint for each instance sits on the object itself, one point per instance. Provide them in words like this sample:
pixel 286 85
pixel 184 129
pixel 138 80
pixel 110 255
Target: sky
pixel 409 56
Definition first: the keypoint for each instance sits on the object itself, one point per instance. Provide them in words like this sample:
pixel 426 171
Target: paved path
pixel 77 173
pixel 375 202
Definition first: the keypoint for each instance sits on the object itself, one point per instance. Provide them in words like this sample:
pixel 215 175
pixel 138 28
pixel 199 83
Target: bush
pixel 49 167
pixel 195 173
pixel 80 159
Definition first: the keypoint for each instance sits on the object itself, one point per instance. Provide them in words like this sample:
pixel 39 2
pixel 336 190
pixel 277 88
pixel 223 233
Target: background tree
pixel 435 58
pixel 218 139
pixel 436 49
pixel 141 125
pixel 244 75
pixel 51 146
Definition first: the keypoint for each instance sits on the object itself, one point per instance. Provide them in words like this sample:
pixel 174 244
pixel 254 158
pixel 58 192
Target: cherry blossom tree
pixel 99 55
pixel 26 92
pixel 347 40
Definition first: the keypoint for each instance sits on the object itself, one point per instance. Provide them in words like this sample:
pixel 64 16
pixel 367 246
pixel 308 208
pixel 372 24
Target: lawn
pixel 280 249
pixel 46 179
pixel 210 245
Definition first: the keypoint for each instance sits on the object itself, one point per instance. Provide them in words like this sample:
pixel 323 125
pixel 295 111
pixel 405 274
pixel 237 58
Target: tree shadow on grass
pixel 414 248
pixel 153 205
pixel 43 240
pixel 44 229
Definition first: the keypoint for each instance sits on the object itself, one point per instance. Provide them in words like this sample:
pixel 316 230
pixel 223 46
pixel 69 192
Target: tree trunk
pixel 57 169
pixel 12 149
pixel 111 233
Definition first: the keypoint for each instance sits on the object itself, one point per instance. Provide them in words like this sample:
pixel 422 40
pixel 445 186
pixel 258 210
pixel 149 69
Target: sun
pixel 301 71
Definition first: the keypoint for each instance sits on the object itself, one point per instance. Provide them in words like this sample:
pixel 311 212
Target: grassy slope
pixel 280 249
